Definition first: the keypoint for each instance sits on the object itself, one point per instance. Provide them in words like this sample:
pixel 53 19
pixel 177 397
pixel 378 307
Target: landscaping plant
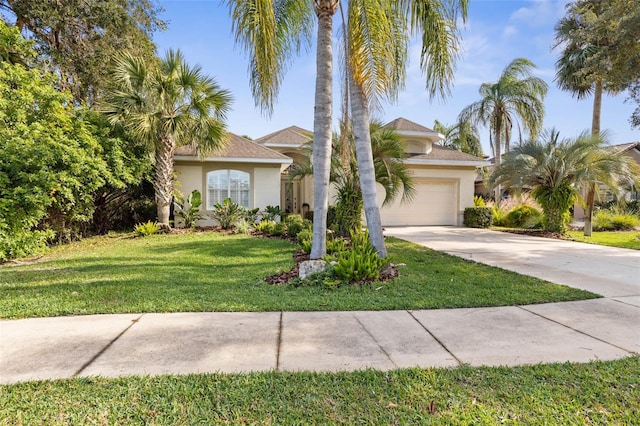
pixel 227 213
pixel 147 228
pixel 360 262
pixel 189 210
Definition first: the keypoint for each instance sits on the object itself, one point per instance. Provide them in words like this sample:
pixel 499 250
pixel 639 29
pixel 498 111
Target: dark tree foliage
pixel 80 37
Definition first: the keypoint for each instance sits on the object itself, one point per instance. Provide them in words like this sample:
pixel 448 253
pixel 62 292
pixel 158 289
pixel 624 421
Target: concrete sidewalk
pixel 133 344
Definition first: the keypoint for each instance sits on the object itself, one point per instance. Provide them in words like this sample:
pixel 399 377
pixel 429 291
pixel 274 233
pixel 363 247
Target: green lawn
pixel 623 239
pixel 219 272
pixel 553 394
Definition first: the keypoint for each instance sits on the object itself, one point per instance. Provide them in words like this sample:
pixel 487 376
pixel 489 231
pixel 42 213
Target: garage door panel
pixel 435 203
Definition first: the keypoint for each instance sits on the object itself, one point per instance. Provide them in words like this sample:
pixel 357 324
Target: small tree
pixel 167 106
pixel 553 169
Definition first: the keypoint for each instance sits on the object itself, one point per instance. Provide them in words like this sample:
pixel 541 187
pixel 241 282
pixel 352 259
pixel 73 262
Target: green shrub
pixel 605 220
pixel 227 213
pixel 295 224
pixel 22 244
pixel 243 227
pixel 361 262
pixel 523 216
pixel 279 229
pixel 265 226
pixel 478 217
pixel 189 210
pixel 336 245
pixel 147 228
pixel 304 238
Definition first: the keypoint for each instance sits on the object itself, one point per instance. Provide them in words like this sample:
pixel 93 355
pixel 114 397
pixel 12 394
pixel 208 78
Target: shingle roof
pixel 237 147
pixel 403 125
pixel 446 154
pixel 294 136
pixel 625 146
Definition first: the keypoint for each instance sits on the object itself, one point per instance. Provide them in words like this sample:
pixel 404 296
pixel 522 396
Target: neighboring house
pixel 255 174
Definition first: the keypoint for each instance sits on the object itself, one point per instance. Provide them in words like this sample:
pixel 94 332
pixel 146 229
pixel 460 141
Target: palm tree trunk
pixel 497 132
pixel 325 9
pixel 595 130
pixel 163 182
pixel 366 170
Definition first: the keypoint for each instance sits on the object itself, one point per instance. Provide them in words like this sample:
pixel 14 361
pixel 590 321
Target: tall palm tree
pixel 167 105
pixel 553 169
pixel 516 96
pixel 377 33
pixel 389 170
pixel 462 136
pixel 377 36
pixel 272 32
pixel 574 73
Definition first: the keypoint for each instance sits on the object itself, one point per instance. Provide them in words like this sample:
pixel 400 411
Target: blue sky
pixel 497 31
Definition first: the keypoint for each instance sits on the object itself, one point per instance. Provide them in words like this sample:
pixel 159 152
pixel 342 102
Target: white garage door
pixel 435 203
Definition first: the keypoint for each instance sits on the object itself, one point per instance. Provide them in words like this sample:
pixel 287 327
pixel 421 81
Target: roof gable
pixel 403 125
pixel 291 136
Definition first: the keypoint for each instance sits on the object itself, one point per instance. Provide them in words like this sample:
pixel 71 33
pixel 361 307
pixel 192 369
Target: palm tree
pixel 553 169
pixel 377 37
pixel 272 32
pixel 167 105
pixel 462 136
pixel 389 170
pixel 517 95
pixel 572 76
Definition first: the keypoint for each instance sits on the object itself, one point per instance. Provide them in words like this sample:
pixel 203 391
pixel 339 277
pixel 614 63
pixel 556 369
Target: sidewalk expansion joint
pixel 103 350
pixel 436 339
pixel 279 342
pixel 376 341
pixel 578 331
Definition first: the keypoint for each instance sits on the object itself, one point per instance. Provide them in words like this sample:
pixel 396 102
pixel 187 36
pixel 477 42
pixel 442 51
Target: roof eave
pixel 478 163
pixel 234 159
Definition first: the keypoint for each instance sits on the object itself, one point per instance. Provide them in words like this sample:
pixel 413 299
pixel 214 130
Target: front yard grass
pixel 603 392
pixel 622 239
pixel 219 272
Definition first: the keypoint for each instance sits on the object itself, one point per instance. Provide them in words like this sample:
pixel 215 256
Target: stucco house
pixel 255 174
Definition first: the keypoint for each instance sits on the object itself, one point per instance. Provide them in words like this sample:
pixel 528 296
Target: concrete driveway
pixel 608 271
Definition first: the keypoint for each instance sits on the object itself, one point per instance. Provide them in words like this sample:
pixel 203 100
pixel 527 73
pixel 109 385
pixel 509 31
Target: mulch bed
pixel 536 233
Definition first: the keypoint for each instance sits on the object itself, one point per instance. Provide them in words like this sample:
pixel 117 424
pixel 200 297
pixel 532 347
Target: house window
pixel 233 184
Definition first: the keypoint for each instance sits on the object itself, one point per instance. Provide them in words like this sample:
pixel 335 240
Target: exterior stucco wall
pixel 265 182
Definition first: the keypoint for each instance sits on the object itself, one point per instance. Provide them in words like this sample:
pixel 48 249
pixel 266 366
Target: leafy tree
pixel 599 53
pixel 81 37
pixel 462 136
pixel 127 197
pixel 553 169
pixel 516 96
pixel 167 106
pixel 51 165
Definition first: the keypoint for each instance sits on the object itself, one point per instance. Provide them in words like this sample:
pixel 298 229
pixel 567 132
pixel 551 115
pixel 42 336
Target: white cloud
pixel 509 31
pixel 539 13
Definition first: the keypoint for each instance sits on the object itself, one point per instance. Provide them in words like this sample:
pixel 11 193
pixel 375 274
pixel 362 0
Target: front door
pixel 291 196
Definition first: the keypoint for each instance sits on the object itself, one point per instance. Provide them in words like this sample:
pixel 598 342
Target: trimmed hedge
pixel 478 217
